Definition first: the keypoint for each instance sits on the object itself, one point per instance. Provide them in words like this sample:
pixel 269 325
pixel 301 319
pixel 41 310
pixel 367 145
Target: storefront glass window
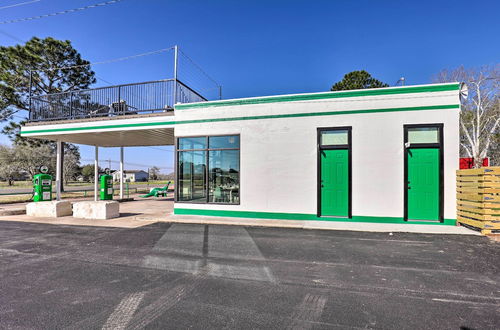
pixel 219 182
pixel 224 142
pixel 224 176
pixel 191 176
pixel 192 143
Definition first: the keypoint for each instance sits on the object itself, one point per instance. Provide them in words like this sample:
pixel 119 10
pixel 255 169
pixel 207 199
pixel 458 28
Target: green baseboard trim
pixel 303 216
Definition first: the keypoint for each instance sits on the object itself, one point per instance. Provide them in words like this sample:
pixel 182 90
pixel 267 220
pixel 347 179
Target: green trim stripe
pixel 303 216
pixel 322 96
pixel 290 115
pixel 87 128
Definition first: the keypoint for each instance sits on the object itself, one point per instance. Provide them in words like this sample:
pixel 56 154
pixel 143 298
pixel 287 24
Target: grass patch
pixel 29 184
pixel 22 198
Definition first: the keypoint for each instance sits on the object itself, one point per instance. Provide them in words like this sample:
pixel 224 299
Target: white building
pixel 131 176
pixel 375 155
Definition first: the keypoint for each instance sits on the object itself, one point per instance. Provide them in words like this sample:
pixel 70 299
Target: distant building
pixel 131 176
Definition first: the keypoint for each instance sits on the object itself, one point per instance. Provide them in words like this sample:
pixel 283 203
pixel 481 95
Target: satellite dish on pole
pixel 44 169
pixel 400 80
pixel 464 91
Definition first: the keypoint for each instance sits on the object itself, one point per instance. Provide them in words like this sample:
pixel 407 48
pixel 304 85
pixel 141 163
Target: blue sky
pixel 269 47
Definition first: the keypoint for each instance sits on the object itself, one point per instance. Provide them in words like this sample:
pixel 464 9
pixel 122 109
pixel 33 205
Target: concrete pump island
pixel 384 155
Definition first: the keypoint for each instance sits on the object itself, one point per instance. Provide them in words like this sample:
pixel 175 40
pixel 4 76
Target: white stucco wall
pixel 279 155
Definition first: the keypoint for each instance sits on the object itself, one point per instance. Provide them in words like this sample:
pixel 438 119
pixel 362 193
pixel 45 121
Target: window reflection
pixel 192 176
pixel 192 143
pixel 224 176
pixel 219 182
pixel 224 142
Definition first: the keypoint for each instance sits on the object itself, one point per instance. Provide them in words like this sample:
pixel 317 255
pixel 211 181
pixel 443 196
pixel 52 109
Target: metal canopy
pixel 118 138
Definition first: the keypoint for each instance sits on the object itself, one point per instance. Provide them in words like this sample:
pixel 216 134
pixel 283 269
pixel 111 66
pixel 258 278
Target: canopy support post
pixel 96 173
pixel 121 173
pixel 58 169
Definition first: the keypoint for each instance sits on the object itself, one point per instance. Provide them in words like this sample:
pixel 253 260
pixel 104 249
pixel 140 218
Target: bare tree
pixel 71 166
pixel 480 116
pixel 31 158
pixel 9 167
pixel 154 172
pixel 495 150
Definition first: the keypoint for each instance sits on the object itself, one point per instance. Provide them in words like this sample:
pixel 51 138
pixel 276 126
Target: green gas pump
pixel 42 186
pixel 106 184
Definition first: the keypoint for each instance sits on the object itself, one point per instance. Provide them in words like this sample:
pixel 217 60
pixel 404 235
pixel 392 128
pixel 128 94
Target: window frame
pixel 207 168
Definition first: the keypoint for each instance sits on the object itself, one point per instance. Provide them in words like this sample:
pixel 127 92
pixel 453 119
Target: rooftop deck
pixel 114 101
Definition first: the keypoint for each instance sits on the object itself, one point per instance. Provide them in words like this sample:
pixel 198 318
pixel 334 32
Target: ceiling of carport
pixel 118 138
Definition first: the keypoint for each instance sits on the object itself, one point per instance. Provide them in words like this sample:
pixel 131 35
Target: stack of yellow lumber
pixel 478 198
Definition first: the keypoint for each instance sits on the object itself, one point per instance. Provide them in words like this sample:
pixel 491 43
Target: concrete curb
pixel 326 225
pixel 18 211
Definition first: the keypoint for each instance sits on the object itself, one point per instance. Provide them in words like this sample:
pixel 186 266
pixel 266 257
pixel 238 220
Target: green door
pixel 423 184
pixel 335 182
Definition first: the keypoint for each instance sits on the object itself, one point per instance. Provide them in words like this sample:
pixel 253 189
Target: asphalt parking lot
pixel 212 277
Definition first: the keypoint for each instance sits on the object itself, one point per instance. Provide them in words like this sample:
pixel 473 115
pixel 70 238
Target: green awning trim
pixel 322 96
pixel 197 121
pixel 303 216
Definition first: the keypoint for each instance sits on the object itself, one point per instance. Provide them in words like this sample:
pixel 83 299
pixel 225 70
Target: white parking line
pixel 308 312
pixel 123 313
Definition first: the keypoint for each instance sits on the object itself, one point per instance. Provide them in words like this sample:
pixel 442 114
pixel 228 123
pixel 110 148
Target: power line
pixel 20 4
pixel 127 163
pixel 159 149
pixel 199 68
pixel 67 11
pixel 11 36
pixel 104 80
pixel 7 116
pixel 110 61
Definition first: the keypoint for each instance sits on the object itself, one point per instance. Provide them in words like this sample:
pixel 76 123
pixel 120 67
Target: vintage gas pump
pixel 42 186
pixel 106 184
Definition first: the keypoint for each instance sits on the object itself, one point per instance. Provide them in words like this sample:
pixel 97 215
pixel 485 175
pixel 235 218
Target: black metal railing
pixel 129 99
